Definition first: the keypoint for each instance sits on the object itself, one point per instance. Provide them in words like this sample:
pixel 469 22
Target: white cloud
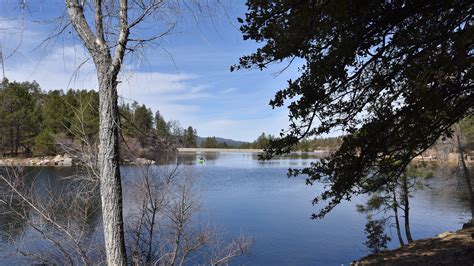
pixel 65 68
pixel 240 114
pixel 150 83
pixel 244 129
pixel 164 87
pixel 60 69
pixel 229 90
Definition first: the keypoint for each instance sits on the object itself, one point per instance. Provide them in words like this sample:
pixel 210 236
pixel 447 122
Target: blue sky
pixel 186 76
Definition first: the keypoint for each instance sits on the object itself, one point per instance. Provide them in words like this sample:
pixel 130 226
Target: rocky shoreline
pixel 58 160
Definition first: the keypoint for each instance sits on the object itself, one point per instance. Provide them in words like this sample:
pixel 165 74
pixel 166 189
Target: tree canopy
pixel 394 76
pixel 19 117
pixel 34 122
pixel 190 137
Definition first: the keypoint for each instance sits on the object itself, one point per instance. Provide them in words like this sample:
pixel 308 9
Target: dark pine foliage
pixel 393 75
pixel 377 240
pixel 33 121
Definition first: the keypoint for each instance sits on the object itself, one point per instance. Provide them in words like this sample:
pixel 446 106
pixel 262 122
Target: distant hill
pixel 229 142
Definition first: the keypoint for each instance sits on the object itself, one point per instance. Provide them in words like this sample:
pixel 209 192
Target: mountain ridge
pixel 230 142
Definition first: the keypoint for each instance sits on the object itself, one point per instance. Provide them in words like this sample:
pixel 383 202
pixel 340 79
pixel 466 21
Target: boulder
pixel 444 234
pixel 142 161
pixel 58 158
pixel 67 161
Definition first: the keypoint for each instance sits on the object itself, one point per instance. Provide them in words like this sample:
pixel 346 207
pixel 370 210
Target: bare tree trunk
pixel 107 43
pixel 17 139
pixel 467 177
pixel 149 252
pixel 11 141
pixel 406 209
pixel 107 68
pixel 397 222
pixel 109 170
pixel 177 243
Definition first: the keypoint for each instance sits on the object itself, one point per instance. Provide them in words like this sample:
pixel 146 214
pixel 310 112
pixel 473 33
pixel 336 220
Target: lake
pixel 243 195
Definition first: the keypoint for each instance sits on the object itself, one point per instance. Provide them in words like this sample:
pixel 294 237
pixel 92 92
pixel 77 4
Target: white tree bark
pixel 109 171
pixel 108 158
pixel 107 44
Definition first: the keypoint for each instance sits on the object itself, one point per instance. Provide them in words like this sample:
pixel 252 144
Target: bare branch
pixel 76 13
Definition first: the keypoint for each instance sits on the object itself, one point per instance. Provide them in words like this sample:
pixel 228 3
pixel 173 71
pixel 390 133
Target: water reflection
pixel 46 214
pixel 241 193
pixel 237 159
pixel 12 224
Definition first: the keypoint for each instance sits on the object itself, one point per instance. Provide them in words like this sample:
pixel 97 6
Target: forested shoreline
pixel 34 123
pixel 390 81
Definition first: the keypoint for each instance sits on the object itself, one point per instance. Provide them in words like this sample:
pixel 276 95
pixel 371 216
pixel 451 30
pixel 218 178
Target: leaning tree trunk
pixel 397 221
pixel 406 209
pixel 467 177
pixel 109 165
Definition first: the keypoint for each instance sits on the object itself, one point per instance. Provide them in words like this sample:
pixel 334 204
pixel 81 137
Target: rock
pixel 142 161
pixel 57 158
pixel 45 162
pixel 67 162
pixel 444 234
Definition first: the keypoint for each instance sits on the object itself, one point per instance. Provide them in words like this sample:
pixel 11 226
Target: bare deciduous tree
pixel 107 45
pixel 107 68
pixel 58 216
pixel 164 231
pixel 162 226
pixel 109 30
pixel 83 147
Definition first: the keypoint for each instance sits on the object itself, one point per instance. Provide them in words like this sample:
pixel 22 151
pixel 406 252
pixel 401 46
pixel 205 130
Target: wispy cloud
pixel 195 87
pixel 62 68
pixel 245 129
pixel 229 90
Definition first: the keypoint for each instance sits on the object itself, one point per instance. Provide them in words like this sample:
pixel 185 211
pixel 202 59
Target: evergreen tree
pixel 126 119
pixel 84 119
pixel 190 137
pixel 44 144
pixel 143 124
pixel 394 75
pixel 262 141
pixel 143 119
pixel 161 127
pixel 18 119
pixel 31 122
pixel 55 112
pixel 376 238
pixel 210 142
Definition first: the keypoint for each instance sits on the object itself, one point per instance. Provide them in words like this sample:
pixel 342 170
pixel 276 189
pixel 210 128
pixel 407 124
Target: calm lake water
pixel 242 194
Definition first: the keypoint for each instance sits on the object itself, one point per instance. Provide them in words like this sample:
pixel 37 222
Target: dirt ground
pixel 450 248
